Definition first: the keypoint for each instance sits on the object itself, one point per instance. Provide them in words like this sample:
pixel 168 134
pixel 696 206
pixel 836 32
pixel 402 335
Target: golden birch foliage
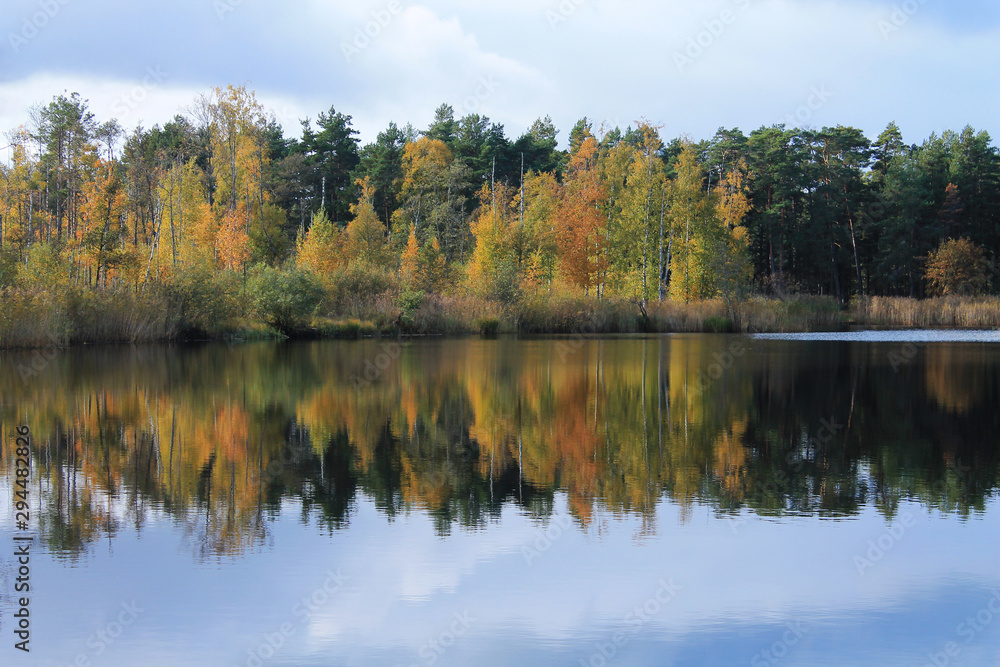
pixel 494 269
pixel 634 243
pixel 189 228
pixel 99 233
pixel 426 165
pixel 731 266
pixel 237 144
pixel 366 235
pixel 733 202
pixel 408 260
pixel 17 184
pixel 432 268
pixel 541 202
pixel 690 217
pixel 319 250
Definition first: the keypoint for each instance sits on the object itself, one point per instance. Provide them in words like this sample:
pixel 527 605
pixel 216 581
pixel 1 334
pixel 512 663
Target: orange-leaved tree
pixel 579 220
pixel 958 266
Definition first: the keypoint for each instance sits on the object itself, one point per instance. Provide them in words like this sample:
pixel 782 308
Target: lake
pixel 661 500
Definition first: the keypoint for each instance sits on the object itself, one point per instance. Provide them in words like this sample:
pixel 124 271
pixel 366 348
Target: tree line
pixel 460 206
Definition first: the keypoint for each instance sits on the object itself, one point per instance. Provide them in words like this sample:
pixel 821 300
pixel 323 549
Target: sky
pixel 689 66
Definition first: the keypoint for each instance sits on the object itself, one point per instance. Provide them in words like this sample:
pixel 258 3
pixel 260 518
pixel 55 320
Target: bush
pixel 284 299
pixel 715 324
pixel 354 289
pixel 488 326
pixel 410 301
pixel 204 300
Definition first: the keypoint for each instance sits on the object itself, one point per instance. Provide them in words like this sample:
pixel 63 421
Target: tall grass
pixel 36 318
pixel 32 316
pixel 948 311
pixel 32 319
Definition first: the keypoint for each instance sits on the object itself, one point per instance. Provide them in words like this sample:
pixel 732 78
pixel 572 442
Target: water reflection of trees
pixel 221 439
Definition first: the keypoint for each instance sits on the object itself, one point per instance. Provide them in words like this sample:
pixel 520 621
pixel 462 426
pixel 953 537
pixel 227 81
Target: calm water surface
pixel 673 500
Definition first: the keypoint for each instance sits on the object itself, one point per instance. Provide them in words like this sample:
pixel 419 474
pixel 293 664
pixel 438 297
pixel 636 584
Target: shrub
pixel 488 326
pixel 715 324
pixel 205 301
pixel 354 289
pixel 410 301
pixel 284 299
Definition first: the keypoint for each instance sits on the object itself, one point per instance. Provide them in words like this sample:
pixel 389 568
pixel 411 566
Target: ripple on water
pixel 903 336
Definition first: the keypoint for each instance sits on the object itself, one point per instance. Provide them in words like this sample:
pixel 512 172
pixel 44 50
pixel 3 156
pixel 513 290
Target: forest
pixel 219 223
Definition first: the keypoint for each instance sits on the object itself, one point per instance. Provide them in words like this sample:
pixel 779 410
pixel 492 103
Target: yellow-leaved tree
pixel 366 235
pixel 730 243
pixel 320 248
pixel 691 220
pixel 494 271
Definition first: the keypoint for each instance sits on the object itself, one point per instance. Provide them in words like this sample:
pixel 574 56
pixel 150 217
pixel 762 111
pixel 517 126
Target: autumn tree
pixel 730 261
pixel 320 248
pixel 366 235
pixel 100 234
pixel 958 267
pixel 495 269
pixel 690 218
pixel 579 219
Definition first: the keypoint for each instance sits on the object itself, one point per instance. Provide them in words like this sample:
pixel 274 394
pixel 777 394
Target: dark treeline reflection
pixel 221 438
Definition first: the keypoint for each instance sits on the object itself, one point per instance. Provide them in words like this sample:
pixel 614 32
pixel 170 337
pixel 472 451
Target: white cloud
pixel 608 60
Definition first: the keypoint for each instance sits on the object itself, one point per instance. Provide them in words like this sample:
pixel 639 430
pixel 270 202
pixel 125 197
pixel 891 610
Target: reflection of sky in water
pixel 741 583
pixel 902 336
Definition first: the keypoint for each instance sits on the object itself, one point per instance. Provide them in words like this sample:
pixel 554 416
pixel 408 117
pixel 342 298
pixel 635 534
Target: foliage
pixel 488 326
pixel 284 299
pixel 464 214
pixel 958 267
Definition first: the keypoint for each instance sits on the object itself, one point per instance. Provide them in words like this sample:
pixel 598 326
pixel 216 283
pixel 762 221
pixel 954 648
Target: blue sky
pixel 740 586
pixel 690 66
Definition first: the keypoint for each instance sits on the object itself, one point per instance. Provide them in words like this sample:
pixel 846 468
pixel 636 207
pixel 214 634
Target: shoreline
pixel 36 324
